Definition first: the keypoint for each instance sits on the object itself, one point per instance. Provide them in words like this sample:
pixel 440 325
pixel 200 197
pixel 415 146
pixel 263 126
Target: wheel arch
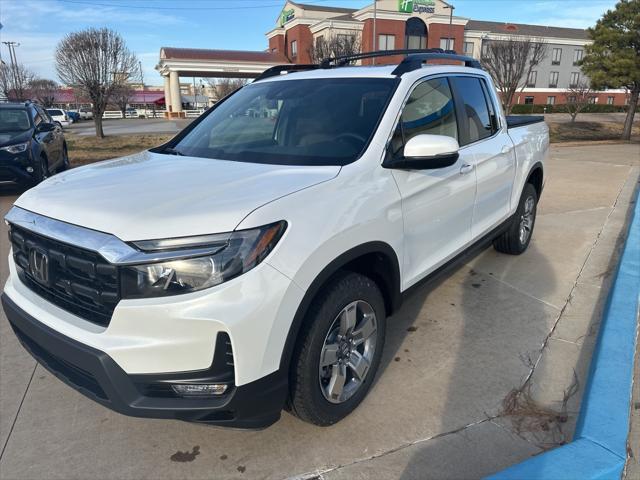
pixel 536 177
pixel 377 260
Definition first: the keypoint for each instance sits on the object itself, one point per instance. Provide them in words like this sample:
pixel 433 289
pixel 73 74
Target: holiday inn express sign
pixel 416 6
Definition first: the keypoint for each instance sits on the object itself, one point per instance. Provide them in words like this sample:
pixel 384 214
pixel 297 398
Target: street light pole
pixel 451 9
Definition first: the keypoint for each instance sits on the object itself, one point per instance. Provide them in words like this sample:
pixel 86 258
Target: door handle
pixel 466 168
pixel 506 149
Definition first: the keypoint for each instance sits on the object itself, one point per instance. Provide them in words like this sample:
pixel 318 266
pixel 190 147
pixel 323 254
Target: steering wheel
pixel 359 140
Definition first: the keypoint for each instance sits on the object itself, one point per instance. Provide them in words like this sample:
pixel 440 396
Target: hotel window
pixel 609 100
pixel 294 49
pixel 485 49
pixel 575 79
pixel 447 44
pixel 551 100
pixel 556 56
pixel 415 32
pixel 528 100
pixel 577 56
pixel 593 99
pixel 468 48
pixel 571 99
pixel 553 79
pixel 533 78
pixel 386 42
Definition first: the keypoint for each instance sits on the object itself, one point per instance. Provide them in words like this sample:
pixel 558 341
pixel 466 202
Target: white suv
pixel 59 116
pixel 252 261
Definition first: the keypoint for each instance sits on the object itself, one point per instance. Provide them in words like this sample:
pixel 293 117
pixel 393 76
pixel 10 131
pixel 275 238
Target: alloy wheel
pixel 526 220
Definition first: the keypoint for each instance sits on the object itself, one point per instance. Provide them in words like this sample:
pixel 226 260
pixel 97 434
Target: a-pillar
pixel 167 96
pixel 176 97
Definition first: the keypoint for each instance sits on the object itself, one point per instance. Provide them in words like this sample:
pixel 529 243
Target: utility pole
pixel 14 64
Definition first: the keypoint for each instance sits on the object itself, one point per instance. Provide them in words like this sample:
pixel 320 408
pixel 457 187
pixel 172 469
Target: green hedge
pixel 591 108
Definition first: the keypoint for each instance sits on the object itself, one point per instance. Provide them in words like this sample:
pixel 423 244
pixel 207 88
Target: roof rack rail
pixel 415 61
pixel 280 69
pixel 343 60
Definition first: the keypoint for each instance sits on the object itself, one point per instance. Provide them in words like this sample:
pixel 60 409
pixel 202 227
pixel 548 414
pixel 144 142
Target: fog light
pixel 30 169
pixel 200 390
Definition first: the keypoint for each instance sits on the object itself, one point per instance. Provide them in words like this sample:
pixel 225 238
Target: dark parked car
pixel 32 146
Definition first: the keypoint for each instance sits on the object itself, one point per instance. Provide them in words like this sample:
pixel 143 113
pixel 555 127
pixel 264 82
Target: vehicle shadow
pixel 524 406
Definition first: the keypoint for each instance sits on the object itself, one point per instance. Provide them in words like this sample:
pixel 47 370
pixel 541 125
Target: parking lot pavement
pixel 128 126
pixel 455 351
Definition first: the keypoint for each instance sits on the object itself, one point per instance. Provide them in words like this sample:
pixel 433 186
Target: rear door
pixel 487 146
pixel 437 204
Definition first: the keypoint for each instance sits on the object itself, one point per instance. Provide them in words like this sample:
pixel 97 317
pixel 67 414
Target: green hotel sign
pixel 286 16
pixel 416 6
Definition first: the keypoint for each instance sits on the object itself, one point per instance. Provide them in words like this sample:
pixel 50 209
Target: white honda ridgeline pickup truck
pixel 250 263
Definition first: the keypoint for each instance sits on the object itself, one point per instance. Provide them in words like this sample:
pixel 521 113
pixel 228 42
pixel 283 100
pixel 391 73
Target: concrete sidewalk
pixel 499 328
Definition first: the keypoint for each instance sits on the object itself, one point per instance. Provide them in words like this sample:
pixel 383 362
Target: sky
pixel 148 25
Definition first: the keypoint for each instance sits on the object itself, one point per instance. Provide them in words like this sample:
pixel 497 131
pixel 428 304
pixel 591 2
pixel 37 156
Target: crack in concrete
pixel 318 474
pixel 15 419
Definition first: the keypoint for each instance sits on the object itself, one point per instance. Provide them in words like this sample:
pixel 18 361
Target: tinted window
pixel 474 107
pixel 14 120
pixel 430 110
pixel 292 122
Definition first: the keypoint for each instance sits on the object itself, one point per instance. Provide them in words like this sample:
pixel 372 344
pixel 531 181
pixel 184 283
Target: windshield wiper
pixel 172 151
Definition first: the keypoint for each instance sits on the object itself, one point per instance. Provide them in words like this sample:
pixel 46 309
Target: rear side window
pixel 474 108
pixel 55 112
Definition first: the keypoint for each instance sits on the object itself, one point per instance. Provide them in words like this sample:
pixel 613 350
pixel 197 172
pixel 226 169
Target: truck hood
pixel 150 195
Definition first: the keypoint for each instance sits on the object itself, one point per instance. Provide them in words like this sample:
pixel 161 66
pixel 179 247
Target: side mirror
pixel 424 152
pixel 45 127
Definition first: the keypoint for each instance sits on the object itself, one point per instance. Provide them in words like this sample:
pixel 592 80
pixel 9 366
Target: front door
pixel 437 204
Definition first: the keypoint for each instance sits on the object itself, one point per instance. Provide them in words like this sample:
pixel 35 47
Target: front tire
pixel 65 159
pixel 517 238
pixel 339 350
pixel 41 170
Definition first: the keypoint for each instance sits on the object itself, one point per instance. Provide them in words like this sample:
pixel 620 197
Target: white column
pixel 167 92
pixel 176 98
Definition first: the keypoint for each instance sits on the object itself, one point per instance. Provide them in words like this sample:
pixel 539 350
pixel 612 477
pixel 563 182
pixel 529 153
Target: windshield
pixel 292 122
pixel 14 120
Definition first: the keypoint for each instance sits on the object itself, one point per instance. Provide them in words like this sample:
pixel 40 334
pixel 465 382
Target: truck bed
pixel 514 121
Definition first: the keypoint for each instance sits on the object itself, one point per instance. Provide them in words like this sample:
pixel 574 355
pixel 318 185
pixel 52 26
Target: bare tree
pixel 99 62
pixel 225 86
pixel 44 91
pixel 14 81
pixel 510 63
pixel 577 98
pixel 121 96
pixel 334 46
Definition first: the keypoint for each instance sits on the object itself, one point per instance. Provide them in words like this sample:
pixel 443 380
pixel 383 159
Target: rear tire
pixel 338 350
pixel 518 236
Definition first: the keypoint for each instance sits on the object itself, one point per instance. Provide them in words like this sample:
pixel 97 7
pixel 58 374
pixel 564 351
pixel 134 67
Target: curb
pixel 599 447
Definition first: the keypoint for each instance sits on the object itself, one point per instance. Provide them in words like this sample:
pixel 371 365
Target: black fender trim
pixel 392 285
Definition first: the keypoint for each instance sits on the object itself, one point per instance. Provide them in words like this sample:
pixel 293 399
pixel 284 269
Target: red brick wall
pixel 383 27
pixel 437 31
pixel 277 44
pixel 302 35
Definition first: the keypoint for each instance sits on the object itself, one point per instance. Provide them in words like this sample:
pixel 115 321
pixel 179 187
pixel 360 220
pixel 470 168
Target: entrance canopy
pixel 193 62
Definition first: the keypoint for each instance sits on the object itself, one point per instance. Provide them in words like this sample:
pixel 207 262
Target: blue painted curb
pixel 599 448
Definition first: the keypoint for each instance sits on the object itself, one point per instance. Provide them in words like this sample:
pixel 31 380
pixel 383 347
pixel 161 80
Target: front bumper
pixel 13 168
pixel 95 374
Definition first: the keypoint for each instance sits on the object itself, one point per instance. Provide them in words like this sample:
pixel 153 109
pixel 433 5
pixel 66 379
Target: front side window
pixel 292 122
pixel 386 42
pixel 475 107
pixel 430 110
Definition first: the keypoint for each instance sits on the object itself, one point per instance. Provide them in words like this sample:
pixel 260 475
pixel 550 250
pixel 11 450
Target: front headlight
pixel 238 252
pixel 17 148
